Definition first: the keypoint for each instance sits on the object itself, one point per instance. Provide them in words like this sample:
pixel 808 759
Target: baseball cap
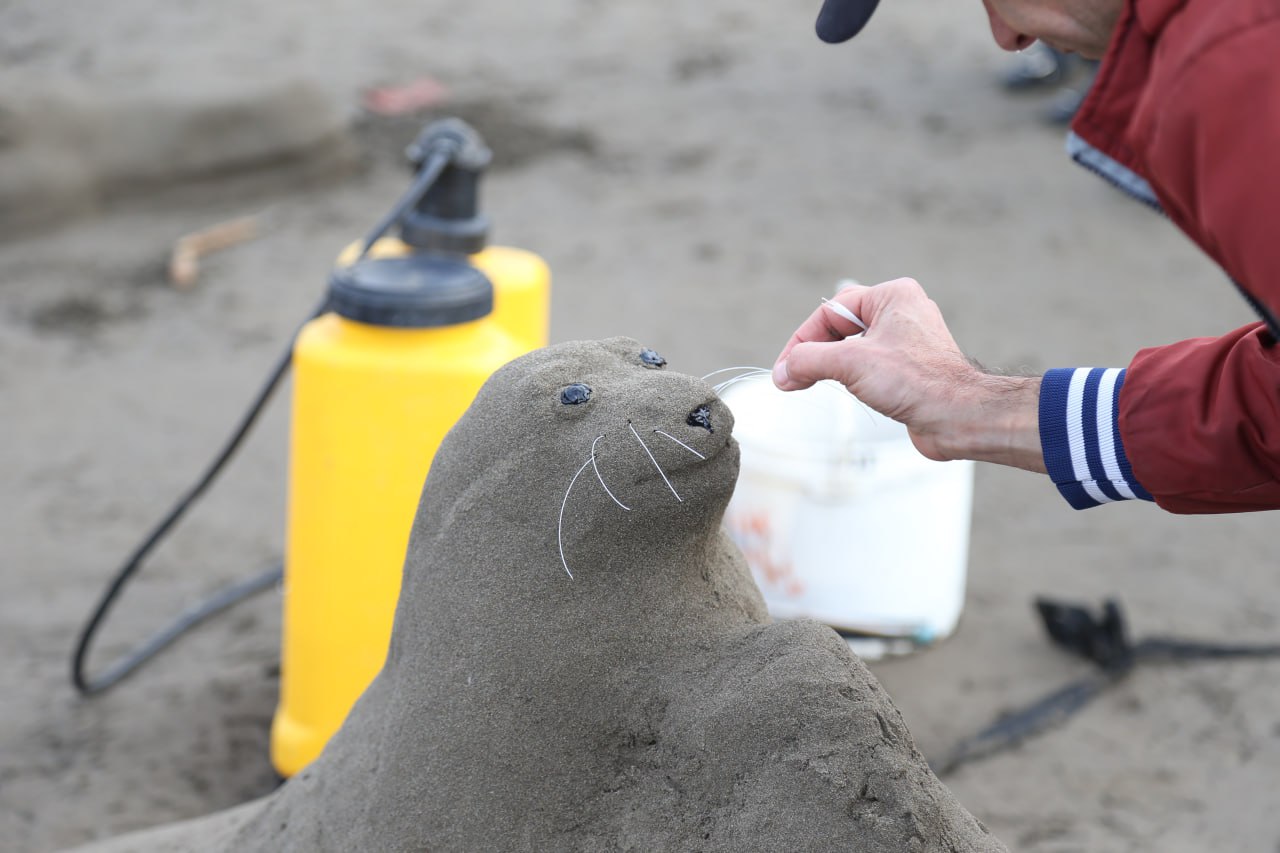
pixel 841 20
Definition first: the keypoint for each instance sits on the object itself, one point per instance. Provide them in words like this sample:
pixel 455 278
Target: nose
pixel 1006 36
pixel 700 417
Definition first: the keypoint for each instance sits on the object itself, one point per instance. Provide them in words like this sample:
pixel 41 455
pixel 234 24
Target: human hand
pixel 908 367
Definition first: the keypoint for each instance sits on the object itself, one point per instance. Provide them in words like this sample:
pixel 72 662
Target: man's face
pixel 1081 26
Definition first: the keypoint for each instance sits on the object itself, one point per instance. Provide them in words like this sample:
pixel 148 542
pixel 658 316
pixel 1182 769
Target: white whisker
pixel 835 387
pixel 601 479
pixel 729 383
pixel 655 462
pixel 681 443
pixel 830 386
pixel 844 312
pixel 727 369
pixel 560 526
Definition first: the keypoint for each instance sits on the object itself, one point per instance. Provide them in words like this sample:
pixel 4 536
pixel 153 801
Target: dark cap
pixel 421 291
pixel 841 20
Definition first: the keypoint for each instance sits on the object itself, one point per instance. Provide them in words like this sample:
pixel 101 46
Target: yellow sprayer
pixel 416 317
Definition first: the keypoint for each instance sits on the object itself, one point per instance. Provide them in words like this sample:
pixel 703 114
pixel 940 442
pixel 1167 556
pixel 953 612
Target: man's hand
pixel 908 367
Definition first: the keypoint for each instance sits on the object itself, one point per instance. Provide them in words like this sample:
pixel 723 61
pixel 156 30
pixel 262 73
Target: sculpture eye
pixel 651 358
pixel 575 394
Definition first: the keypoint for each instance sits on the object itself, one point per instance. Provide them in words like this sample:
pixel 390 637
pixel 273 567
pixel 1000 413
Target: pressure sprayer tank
pixel 842 520
pixel 415 329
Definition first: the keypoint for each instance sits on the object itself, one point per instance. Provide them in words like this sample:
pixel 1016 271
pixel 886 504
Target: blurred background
pixel 697 176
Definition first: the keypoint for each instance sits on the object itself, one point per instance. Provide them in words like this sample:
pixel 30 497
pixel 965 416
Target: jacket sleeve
pixel 1080 436
pixel 1200 419
pixel 1201 422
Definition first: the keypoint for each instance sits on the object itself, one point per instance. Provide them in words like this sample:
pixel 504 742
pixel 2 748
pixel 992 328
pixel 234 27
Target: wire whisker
pixel 601 479
pixel 560 526
pixel 649 453
pixel 729 383
pixel 827 386
pixel 681 443
pixel 727 369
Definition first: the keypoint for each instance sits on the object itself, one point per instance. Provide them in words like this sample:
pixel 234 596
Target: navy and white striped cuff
pixel 1080 436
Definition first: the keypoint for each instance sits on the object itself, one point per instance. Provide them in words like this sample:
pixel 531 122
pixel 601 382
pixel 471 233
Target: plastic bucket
pixel 842 520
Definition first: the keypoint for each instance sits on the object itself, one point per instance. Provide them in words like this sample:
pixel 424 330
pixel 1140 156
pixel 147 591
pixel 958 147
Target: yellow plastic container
pixel 521 285
pixel 371 404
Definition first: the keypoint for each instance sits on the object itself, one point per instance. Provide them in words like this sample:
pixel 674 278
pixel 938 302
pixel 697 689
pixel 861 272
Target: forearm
pixel 1064 424
pixel 1000 423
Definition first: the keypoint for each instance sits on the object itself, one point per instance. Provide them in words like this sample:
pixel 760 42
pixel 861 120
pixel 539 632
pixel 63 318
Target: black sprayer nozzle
pixel 447 216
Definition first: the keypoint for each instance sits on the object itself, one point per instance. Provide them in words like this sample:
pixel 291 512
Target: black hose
pixel 1101 638
pixel 221 600
pixel 435 163
pixel 436 160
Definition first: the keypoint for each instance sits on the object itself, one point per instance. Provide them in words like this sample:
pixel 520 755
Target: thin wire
pixel 560 526
pixel 845 313
pixel 830 386
pixel 601 479
pixel 727 369
pixel 654 461
pixel 681 443
pixel 729 383
pixel 760 372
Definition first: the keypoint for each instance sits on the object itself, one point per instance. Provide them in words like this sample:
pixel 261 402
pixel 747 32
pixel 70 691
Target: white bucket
pixel 842 520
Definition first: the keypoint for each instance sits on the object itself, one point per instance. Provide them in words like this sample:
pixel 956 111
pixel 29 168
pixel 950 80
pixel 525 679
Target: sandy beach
pixel 717 155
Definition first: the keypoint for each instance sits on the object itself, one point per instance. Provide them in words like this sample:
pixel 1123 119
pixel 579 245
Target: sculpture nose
pixel 700 417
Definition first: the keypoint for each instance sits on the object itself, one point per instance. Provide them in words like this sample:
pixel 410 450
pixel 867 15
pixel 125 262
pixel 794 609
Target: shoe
pixel 1065 104
pixel 1037 67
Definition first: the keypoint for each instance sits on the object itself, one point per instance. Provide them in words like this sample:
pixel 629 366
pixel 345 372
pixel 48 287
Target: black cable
pixel 1159 648
pixel 221 600
pixel 436 158
pixel 1016 727
pixel 1102 639
pixel 435 163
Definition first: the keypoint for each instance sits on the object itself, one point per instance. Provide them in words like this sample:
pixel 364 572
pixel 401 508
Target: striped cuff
pixel 1080 436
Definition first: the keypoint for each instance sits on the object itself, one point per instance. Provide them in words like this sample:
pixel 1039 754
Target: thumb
pixel 810 362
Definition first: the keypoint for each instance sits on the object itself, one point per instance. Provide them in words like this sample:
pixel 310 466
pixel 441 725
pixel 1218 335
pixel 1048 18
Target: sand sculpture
pixel 646 703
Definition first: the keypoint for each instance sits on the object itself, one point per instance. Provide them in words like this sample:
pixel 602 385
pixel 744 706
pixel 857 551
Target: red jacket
pixel 1188 98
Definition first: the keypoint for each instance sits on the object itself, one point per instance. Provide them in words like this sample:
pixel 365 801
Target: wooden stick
pixel 184 262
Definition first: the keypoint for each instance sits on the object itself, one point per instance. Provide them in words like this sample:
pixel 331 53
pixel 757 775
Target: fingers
pixel 844 312
pixel 810 362
pixel 825 324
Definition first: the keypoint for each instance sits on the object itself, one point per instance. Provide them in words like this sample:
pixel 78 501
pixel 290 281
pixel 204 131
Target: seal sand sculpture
pixel 581 662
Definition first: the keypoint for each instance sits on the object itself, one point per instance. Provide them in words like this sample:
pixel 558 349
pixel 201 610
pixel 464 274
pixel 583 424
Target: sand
pixel 697 177
pixel 645 702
